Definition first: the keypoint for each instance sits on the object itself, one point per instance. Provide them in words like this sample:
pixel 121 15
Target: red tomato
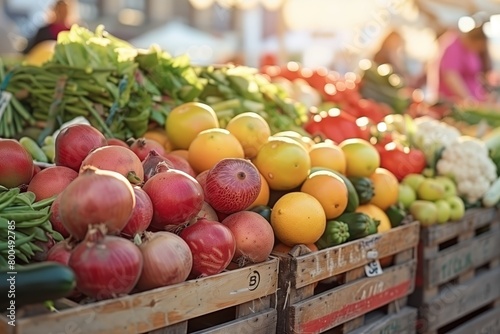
pixel 401 161
pixel 336 127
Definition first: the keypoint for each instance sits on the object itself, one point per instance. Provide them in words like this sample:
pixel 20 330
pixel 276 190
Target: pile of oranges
pixel 295 177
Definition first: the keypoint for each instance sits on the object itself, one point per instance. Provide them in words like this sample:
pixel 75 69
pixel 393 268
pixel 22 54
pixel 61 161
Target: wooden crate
pixel 458 262
pixel 243 299
pixel 402 322
pixel 339 306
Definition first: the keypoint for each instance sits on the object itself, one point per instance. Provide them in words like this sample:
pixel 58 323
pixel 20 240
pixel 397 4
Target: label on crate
pixel 4 101
pixel 373 268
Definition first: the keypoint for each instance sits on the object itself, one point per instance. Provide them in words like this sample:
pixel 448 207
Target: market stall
pixel 143 192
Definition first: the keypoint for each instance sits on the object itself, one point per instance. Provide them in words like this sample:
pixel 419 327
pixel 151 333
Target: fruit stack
pixel 431 200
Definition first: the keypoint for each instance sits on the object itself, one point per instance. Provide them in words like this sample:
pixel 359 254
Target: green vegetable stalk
pixel 336 233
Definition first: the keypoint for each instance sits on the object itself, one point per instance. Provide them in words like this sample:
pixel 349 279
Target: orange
pixel 181 153
pixel 329 189
pixel 298 218
pixel 185 121
pixel 159 135
pixel 295 136
pixel 328 155
pixel 251 130
pixel 263 197
pixel 386 188
pixel 376 213
pixel 212 145
pixel 283 162
pixel 362 158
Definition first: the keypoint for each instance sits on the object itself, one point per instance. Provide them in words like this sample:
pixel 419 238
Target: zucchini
pixel 360 224
pixel 492 195
pixel 364 188
pixel 353 199
pixel 36 283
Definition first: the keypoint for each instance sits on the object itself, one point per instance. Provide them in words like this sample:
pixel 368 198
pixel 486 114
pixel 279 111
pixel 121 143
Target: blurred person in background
pixel 458 75
pixel 392 51
pixel 58 22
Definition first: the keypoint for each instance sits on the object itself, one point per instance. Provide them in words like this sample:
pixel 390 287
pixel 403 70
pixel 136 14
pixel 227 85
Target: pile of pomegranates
pixel 136 218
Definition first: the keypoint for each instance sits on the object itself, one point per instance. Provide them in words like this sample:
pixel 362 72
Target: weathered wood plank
pixel 473 219
pixel 402 322
pixel 456 301
pixel 464 256
pixel 260 323
pixel 180 328
pixel 486 323
pixel 339 305
pixel 161 307
pixel 337 260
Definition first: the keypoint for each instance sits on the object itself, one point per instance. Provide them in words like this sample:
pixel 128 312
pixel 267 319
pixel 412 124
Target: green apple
pixel 406 195
pixel 430 190
pixel 450 189
pixel 425 212
pixel 413 180
pixel 444 211
pixel 457 207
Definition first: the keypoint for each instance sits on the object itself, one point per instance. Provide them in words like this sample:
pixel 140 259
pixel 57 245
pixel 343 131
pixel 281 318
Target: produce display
pixel 121 89
pixel 145 171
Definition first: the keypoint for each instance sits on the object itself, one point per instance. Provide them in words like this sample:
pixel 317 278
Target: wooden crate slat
pixel 339 305
pixel 402 322
pixel 161 307
pixel 488 322
pixel 473 219
pixel 260 323
pixel 456 301
pixel 329 262
pixel 462 257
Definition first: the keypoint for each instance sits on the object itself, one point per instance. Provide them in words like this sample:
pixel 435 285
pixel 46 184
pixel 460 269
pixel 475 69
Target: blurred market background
pixel 334 34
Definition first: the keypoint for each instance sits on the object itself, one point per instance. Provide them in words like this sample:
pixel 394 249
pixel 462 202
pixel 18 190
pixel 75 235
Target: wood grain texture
pixel 346 302
pixel 456 301
pixel 462 257
pixel 486 323
pixel 155 309
pixel 333 261
pixel 402 322
pixel 260 323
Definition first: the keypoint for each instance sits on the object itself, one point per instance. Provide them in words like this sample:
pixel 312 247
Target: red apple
pixel 253 234
pixel 176 196
pixel 232 185
pixel 180 163
pixel 16 164
pixel 212 245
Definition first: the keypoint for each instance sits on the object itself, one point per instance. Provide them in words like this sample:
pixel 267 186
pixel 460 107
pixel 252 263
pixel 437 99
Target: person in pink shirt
pixel 462 64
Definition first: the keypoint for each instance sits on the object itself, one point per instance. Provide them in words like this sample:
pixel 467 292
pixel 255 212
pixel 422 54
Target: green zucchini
pixel 35 283
pixel 364 188
pixel 353 199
